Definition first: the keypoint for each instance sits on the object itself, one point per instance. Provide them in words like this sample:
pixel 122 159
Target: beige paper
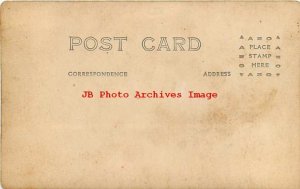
pixel 238 60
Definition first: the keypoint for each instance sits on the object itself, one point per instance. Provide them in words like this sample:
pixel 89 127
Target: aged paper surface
pixel 150 94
